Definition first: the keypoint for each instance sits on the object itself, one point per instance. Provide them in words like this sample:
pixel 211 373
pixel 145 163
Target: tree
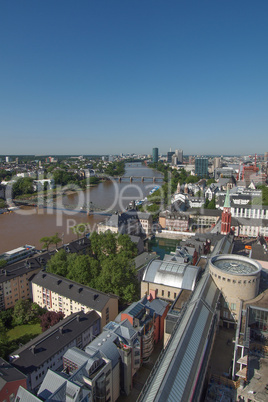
pixel 79 229
pixel 103 244
pixel 58 263
pixel 55 239
pixel 46 241
pixel 3 263
pixel 50 318
pixel 23 185
pixel 26 312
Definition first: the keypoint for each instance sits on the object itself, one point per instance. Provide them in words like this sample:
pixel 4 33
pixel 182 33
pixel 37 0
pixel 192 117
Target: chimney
pixel 78 317
pixel 61 329
pixel 33 350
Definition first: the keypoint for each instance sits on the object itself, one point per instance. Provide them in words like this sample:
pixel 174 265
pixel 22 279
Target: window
pixel 163 292
pixel 168 294
pixel 175 295
pixel 233 306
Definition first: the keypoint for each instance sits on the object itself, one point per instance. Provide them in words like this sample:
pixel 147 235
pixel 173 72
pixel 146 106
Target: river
pixel 28 225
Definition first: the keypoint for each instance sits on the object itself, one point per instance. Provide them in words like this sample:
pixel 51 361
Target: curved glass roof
pixel 235 266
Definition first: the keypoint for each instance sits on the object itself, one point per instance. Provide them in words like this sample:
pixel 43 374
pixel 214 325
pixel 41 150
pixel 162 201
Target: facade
pixel 46 350
pixel 146 222
pixel 147 317
pixel 10 381
pixel 201 167
pixel 59 294
pixel 155 155
pixel 166 278
pixel 124 223
pixel 174 221
pixel 109 361
pixel 14 282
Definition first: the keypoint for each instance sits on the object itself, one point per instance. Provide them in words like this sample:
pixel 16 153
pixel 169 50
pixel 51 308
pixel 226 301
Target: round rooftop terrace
pixel 236 264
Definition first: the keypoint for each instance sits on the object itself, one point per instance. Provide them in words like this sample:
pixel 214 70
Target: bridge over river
pixel 131 179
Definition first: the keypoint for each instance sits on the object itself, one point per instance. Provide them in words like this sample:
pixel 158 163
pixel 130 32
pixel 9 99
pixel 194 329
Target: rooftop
pixel 171 273
pixel 46 345
pixel 82 294
pixel 236 265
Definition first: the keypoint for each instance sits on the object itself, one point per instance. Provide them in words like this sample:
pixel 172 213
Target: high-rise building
pixel 201 166
pixel 175 160
pixel 179 154
pixel 266 156
pixel 155 155
pixel 217 162
pixel 169 156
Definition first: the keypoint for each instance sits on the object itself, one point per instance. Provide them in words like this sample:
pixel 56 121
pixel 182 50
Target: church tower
pixel 226 215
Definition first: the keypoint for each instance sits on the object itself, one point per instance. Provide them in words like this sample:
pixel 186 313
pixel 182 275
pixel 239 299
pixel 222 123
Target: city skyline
pixel 114 77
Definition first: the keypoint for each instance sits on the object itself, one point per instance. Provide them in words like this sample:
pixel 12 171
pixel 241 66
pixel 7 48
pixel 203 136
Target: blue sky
pixel 99 77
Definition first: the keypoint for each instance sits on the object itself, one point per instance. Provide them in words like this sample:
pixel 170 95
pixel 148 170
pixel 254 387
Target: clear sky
pixel 100 77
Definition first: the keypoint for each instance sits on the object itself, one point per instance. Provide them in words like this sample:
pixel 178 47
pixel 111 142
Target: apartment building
pixel 46 350
pixel 60 294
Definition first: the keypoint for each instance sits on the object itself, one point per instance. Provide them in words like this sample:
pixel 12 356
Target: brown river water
pixel 29 224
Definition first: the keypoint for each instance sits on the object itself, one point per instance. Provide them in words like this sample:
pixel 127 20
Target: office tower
pixel 174 160
pixel 266 156
pixel 179 154
pixel 201 166
pixel 217 162
pixel 155 155
pixel 169 156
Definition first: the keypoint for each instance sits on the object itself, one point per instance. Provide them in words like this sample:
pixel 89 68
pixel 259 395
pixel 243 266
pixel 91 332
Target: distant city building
pixel 8 159
pixel 174 160
pixel 155 155
pixel 217 162
pixel 266 156
pixel 179 154
pixel 169 156
pixel 201 166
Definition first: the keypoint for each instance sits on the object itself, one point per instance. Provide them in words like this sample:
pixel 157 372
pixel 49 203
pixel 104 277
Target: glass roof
pixel 235 266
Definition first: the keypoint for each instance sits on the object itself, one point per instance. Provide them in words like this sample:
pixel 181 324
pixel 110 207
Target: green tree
pixel 3 263
pixel 103 244
pixel 23 186
pixel 46 241
pixel 79 229
pixel 58 263
pixel 126 246
pixel 55 239
pixel 24 312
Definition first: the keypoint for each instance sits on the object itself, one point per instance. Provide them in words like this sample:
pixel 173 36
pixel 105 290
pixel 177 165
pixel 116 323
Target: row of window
pixel 234 280
pixel 168 294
